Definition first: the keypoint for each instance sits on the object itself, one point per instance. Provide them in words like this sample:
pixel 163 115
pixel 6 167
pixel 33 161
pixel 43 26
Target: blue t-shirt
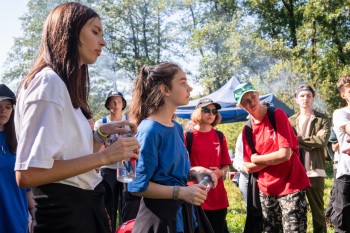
pixel 13 200
pixel 163 158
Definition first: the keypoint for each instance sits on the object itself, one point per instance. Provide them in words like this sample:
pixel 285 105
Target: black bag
pixel 254 219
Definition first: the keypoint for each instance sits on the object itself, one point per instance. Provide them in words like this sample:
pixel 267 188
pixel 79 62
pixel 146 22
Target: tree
pixel 25 48
pixel 138 32
pixel 279 19
pixel 324 56
pixel 209 28
pixel 24 51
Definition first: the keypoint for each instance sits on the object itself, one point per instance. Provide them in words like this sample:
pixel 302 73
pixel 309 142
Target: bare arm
pixel 274 158
pixel 252 167
pixel 63 169
pixel 220 172
pixel 335 147
pixel 31 203
pixel 194 194
pixel 347 129
pixel 31 209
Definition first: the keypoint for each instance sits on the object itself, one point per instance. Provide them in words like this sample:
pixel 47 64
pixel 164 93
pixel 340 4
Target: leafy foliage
pixel 138 32
pixel 275 44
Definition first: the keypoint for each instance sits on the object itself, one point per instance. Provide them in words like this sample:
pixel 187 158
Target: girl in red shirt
pixel 208 151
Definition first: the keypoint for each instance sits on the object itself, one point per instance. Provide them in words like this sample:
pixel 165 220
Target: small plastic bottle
pixel 126 171
pixel 207 181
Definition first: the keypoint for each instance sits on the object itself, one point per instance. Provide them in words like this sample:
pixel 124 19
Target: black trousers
pixel 217 219
pixel 113 201
pixel 340 214
pixel 64 208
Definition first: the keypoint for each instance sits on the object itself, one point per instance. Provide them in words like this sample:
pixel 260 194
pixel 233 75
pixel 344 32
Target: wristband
pixel 176 192
pixel 98 138
pixel 101 134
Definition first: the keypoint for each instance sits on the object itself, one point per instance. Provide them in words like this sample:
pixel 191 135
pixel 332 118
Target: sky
pixel 10 25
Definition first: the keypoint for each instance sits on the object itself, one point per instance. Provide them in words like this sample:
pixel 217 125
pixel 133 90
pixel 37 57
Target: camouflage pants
pixel 284 213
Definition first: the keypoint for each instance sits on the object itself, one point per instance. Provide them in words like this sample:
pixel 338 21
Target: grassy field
pixel 237 211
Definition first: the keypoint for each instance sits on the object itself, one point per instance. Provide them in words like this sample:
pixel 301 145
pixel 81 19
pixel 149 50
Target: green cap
pixel 241 89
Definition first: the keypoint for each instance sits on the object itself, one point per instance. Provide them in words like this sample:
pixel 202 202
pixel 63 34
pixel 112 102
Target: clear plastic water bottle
pixel 126 169
pixel 207 181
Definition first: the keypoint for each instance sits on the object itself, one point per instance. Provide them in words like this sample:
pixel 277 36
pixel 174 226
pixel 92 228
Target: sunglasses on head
pixel 246 87
pixel 208 110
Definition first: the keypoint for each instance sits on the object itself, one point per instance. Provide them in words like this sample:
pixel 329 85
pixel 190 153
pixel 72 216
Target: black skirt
pixel 159 216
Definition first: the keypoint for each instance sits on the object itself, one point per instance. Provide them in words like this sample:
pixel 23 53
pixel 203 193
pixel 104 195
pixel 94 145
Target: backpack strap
pixel 220 135
pixel 249 135
pixel 189 139
pixel 271 116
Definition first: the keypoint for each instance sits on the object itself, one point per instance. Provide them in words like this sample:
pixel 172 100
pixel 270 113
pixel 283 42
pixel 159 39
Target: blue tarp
pixel 229 111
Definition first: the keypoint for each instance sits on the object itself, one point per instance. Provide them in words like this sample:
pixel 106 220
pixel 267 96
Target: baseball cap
pixel 206 101
pixel 241 89
pixel 7 94
pixel 112 94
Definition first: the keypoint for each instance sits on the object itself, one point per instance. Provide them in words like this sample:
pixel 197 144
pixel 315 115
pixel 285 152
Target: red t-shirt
pixel 284 178
pixel 207 152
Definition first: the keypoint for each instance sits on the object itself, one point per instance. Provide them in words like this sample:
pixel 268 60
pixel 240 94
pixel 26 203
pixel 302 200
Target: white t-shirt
pixel 48 128
pixel 341 117
pixel 238 162
pixel 112 138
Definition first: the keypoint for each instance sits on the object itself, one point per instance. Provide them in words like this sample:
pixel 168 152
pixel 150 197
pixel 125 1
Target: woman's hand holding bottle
pixel 123 148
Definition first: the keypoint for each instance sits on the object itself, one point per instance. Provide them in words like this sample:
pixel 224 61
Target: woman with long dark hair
pixel 55 142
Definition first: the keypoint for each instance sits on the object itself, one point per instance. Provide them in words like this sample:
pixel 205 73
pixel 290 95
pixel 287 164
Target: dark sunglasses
pixel 208 110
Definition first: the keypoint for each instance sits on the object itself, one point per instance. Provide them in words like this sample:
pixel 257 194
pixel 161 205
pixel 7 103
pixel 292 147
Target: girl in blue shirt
pixel 15 202
pixel 163 167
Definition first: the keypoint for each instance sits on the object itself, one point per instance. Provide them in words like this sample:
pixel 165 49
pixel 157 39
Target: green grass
pixel 236 213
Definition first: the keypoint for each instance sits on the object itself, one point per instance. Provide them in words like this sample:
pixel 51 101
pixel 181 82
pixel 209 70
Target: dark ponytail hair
pixel 147 97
